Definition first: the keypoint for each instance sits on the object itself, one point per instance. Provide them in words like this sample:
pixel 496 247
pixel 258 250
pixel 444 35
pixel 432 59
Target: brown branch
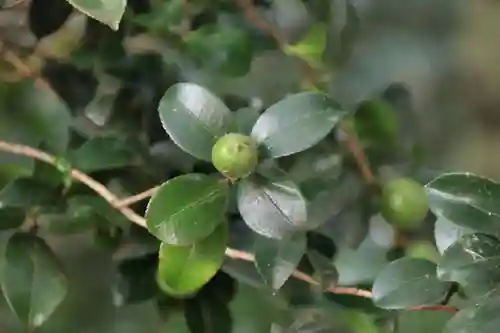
pixel 352 144
pixel 99 188
pixel 115 202
pixel 137 197
pixel 23 69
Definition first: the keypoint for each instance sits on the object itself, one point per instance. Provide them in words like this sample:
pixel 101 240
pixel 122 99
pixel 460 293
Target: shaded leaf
pixel 323 268
pixel 194 118
pixel 104 153
pixel 136 281
pixel 187 208
pixel 408 282
pixel 25 193
pixel 316 164
pixel 471 254
pixel 478 318
pixel 11 218
pixel 244 119
pixel 183 270
pixel 32 281
pixel 109 12
pixel 309 116
pixel 467 200
pixel 207 315
pixel 277 260
pixel 224 49
pixel 272 209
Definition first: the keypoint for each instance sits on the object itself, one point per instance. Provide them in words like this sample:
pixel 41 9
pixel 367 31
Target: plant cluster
pixel 288 196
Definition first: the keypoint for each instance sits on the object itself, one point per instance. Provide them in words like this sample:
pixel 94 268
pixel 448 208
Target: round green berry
pixel 404 203
pixel 235 155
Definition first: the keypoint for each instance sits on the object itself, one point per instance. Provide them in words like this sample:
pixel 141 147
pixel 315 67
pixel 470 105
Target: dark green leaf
pixel 24 193
pixel 104 153
pixel 30 116
pixel 408 282
pixel 205 315
pixel 316 164
pixel 324 269
pixel 277 260
pixel 137 278
pixel 32 281
pixel 478 318
pixel 244 120
pixel 467 200
pixel 194 118
pixel 11 218
pixel 226 50
pixel 187 208
pixel 182 270
pixel 471 254
pixel 109 12
pixel 272 209
pixel 296 123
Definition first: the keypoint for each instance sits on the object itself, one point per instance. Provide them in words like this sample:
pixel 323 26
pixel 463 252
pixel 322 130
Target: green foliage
pixel 268 209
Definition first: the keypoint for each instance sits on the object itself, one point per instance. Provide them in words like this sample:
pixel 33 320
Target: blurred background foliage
pixel 422 74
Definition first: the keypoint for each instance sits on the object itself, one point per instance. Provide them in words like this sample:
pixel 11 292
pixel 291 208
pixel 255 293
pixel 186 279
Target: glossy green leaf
pixel 194 118
pixel 182 270
pixel 316 164
pixel 467 200
pixel 272 209
pixel 296 123
pixel 277 260
pixel 187 208
pixel 408 282
pixel 31 279
pixel 324 269
pixel 446 233
pixel 477 318
pixel 109 12
pixel 104 153
pixel 471 254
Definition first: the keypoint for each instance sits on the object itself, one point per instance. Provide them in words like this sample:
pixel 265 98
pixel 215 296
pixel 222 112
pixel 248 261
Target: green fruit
pixel 404 203
pixel 235 155
pixel 423 250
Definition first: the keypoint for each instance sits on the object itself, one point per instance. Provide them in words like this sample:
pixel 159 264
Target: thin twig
pixel 115 202
pixel 22 68
pixel 137 197
pixel 99 188
pixel 357 152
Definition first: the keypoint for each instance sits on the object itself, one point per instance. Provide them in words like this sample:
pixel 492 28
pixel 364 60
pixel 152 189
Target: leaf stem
pixel 118 204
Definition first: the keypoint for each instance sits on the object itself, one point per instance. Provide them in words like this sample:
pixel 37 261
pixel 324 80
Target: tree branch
pixel 115 202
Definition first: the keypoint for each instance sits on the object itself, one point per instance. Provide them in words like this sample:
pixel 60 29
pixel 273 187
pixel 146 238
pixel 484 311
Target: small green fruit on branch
pixel 235 155
pixel 114 201
pixel 404 203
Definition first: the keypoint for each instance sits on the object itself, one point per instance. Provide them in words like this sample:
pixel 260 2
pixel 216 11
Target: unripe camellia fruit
pixel 404 203
pixel 235 155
